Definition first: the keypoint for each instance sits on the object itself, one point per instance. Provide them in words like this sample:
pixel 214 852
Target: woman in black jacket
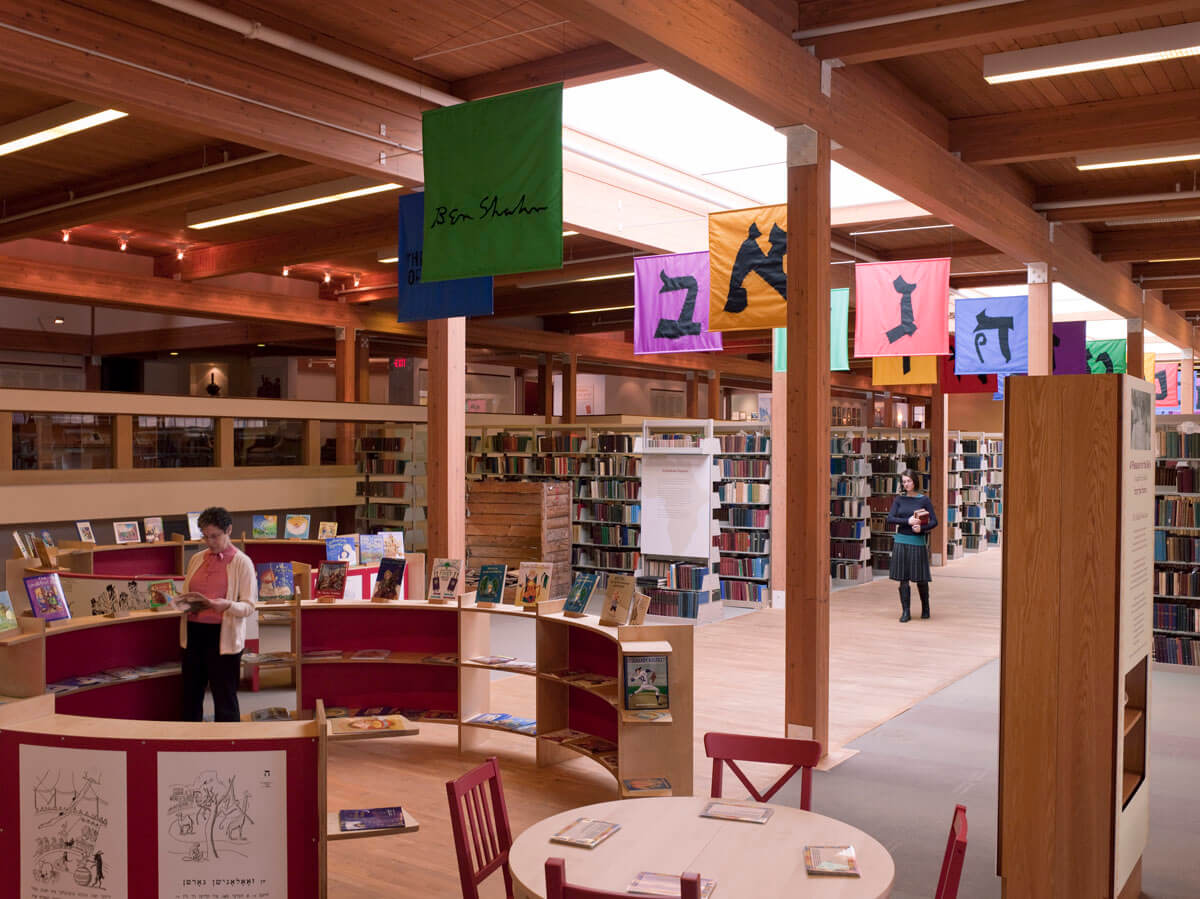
pixel 913 515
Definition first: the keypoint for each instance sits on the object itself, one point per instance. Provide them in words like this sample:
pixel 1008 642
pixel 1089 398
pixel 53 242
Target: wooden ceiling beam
pixel 1169 285
pixel 1059 131
pixel 1146 244
pixel 175 70
pixel 276 250
pixel 45 342
pixel 251 175
pixel 1184 300
pixel 989 279
pixel 231 334
pixel 957 247
pixel 1143 271
pixel 1117 212
pixel 984 25
pixel 583 66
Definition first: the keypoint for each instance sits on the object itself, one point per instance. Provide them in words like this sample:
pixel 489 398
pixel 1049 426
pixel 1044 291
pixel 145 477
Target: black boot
pixel 905 600
pixel 923 589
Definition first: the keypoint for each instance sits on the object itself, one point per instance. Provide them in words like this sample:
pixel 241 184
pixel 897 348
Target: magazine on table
pixel 838 861
pixel 586 832
pixel 733 811
pixel 650 884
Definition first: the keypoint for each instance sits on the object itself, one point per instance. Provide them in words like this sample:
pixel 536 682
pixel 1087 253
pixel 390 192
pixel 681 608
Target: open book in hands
pixel 190 602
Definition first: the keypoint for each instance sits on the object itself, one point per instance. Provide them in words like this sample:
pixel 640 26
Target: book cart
pixel 744 514
pixel 1177 544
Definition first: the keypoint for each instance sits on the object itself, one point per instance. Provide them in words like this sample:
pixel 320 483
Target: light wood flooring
pixel 878 668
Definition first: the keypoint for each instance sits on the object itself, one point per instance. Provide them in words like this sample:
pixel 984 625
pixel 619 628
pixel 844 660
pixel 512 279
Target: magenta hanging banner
pixel 671 304
pixel 1070 348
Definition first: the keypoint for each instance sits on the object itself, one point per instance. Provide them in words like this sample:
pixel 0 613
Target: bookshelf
pixel 976 475
pixel 851 508
pixel 993 492
pixel 391 480
pixel 889 452
pixel 954 487
pixel 1177 544
pixel 743 543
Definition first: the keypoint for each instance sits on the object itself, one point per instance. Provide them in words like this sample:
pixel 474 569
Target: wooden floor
pixel 878 668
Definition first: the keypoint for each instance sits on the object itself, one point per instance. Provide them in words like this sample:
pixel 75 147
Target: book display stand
pixel 744 514
pixel 1177 544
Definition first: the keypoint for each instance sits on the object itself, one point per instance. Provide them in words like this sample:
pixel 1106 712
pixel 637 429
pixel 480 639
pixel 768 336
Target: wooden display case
pixel 513 522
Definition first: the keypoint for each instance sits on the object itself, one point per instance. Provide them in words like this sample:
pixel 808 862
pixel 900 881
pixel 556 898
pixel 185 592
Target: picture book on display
pixel 641 605
pixel 154 529
pixel 533 584
pixel 393 544
pixel 8 618
pixel 371 818
pixel 48 539
pixel 444 579
pixel 581 593
pixel 46 597
pixel 491 583
pixel 194 532
pixel 295 527
pixel 276 581
pixel 754 813
pixel 162 593
pixel 369 724
pixel 586 832
pixel 646 682
pixel 838 861
pixel 370 549
pixel 371 654
pixel 265 527
pixel 86 534
pixel 342 549
pixel 647 786
pixel 389 583
pixel 127 532
pixel 618 599
pixel 331 580
pixel 649 884
pixel 326 529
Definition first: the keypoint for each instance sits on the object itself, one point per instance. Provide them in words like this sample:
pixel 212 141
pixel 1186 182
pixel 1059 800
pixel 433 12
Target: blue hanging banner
pixel 992 334
pixel 417 301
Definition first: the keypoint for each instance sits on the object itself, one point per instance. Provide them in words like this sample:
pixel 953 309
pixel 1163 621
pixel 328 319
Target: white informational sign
pixel 677 505
pixel 222 825
pixel 1137 524
pixel 73 823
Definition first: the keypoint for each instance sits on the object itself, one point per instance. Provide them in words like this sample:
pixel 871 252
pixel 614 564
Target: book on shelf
pixel 317 655
pixel 491 583
pixel 86 534
pixel 505 721
pixel 295 526
pixel 350 819
pixel 361 654
pixel 264 527
pixel 46 597
pixel 162 594
pixel 371 549
pixel 154 529
pixel 585 832
pixel 594 745
pixel 534 584
pixel 368 724
pixel 268 658
pixel 445 578
pixel 645 715
pixel 343 549
pixel 8 618
pixel 439 715
pixel 276 581
pixel 618 599
pixel 647 786
pixel 647 684
pixel 565 735
pixel 441 658
pixel 838 861
pixel 736 811
pixel 648 883
pixel 581 593
pixel 273 713
pixel 389 582
pixel 641 605
pixel 491 660
pixel 24 545
pixel 326 529
pixel 520 665
pixel 127 532
pixel 331 580
pixel 193 520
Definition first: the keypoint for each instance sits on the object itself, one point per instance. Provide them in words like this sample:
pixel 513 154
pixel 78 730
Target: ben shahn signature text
pixel 489 207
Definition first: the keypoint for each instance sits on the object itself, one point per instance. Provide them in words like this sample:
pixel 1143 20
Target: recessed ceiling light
pixel 260 344
pixel 60 321
pixel 173 353
pixel 287 201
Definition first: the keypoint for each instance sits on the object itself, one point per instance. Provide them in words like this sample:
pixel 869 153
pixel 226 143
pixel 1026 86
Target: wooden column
pixel 362 369
pixel 1135 347
pixel 123 441
pixel 570 377
pixel 1041 319
pixel 1187 384
pixel 223 457
pixel 714 395
pixel 937 470
pixel 546 386
pixel 91 373
pixel 779 445
pixel 806 675
pixel 445 466
pixel 345 378
pixel 693 395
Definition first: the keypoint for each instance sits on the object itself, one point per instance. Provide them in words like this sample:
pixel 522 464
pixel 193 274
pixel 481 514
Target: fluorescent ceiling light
pixel 1177 259
pixel 387 256
pixel 53 124
pixel 575 280
pixel 287 201
pixel 898 230
pixel 570 233
pixel 1152 155
pixel 601 309
pixel 1133 48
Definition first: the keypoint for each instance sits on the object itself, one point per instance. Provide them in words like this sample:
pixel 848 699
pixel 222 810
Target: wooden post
pixel 806 676
pixel 546 386
pixel 445 467
pixel 345 381
pixel 779 445
pixel 224 455
pixel 570 377
pixel 123 441
pixel 714 395
pixel 693 395
pixel 91 373
pixel 1041 319
pixel 1135 348
pixel 937 470
pixel 1187 384
pixel 362 369
pixel 889 412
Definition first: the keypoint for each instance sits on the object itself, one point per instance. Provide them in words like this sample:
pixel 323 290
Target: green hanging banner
pixel 1106 356
pixel 493 186
pixel 839 338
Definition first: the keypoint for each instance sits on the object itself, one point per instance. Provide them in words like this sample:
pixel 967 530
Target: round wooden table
pixel 666 835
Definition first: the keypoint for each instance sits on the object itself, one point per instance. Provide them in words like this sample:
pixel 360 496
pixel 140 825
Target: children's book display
pixel 127 532
pixel 342 549
pixel 586 832
pixel 8 618
pixel 393 544
pixel 838 861
pixel 444 579
pixel 86 534
pixel 618 600
pixel 46 597
pixel 646 682
pixel 331 580
pixel 154 529
pixel 505 721
pixel 265 527
pixel 276 581
pixel 371 549
pixel 162 594
pixel 581 594
pixel 389 582
pixel 641 605
pixel 295 527
pixel 491 583
pixel 534 581
pixel 326 529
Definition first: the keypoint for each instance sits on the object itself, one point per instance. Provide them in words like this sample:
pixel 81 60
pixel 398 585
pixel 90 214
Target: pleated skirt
pixel 910 563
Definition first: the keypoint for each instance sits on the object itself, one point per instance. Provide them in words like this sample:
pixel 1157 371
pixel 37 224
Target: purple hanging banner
pixel 1070 348
pixel 671 304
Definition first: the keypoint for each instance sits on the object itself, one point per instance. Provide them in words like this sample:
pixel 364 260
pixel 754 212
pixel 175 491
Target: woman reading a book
pixel 219 592
pixel 913 516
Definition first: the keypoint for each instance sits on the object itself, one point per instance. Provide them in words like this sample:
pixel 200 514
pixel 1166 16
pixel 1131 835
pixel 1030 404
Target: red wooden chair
pixel 558 888
pixel 479 819
pixel 956 850
pixel 728 749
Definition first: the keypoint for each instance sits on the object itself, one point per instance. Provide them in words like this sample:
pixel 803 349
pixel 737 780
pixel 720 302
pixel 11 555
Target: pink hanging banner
pixel 671 304
pixel 1166 384
pixel 902 308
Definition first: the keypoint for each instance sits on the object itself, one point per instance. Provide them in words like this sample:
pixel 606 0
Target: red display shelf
pixel 364 684
pixel 150 559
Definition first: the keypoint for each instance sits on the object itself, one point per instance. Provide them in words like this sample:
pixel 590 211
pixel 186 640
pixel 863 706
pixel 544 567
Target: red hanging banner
pixel 953 383
pixel 902 308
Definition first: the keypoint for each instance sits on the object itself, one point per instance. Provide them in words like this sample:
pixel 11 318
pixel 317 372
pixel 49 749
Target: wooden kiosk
pixel 1076 636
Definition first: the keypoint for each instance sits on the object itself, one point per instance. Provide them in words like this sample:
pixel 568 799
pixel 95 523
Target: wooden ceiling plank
pixel 231 334
pixel 1148 244
pixel 1115 212
pixel 45 342
pixel 594 63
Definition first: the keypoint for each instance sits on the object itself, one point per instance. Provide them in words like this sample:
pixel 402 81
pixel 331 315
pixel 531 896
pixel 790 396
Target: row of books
pixel 854 445
pixel 599 747
pixel 381 444
pixel 847 529
pixel 1175 548
pixel 1177 581
pixel 605 534
pixel 504 442
pixel 678 575
pixel 850 508
pixel 617 466
pixel 600 558
pixel 744 443
pixel 1177 511
pixel 614 443
pixel 1176 617
pixel 843 465
pixel 839 571
pixel 561 443
pixel 505 721
pixel 1176 445
pixel 112 676
pixel 745 591
pixel 1176 650
pixel 850 487
pixel 614 513
pixel 381 512
pixel 676 603
pixel 744 492
pixel 749 518
pixel 1180 475
pixel 383 466
pixel 391 489
pixel 744 566
pixel 847 550
pixel 608 489
pixel 731 469
pixel 743 541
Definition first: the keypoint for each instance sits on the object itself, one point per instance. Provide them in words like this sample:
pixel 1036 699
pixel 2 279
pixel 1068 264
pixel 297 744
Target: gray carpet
pixel 909 773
